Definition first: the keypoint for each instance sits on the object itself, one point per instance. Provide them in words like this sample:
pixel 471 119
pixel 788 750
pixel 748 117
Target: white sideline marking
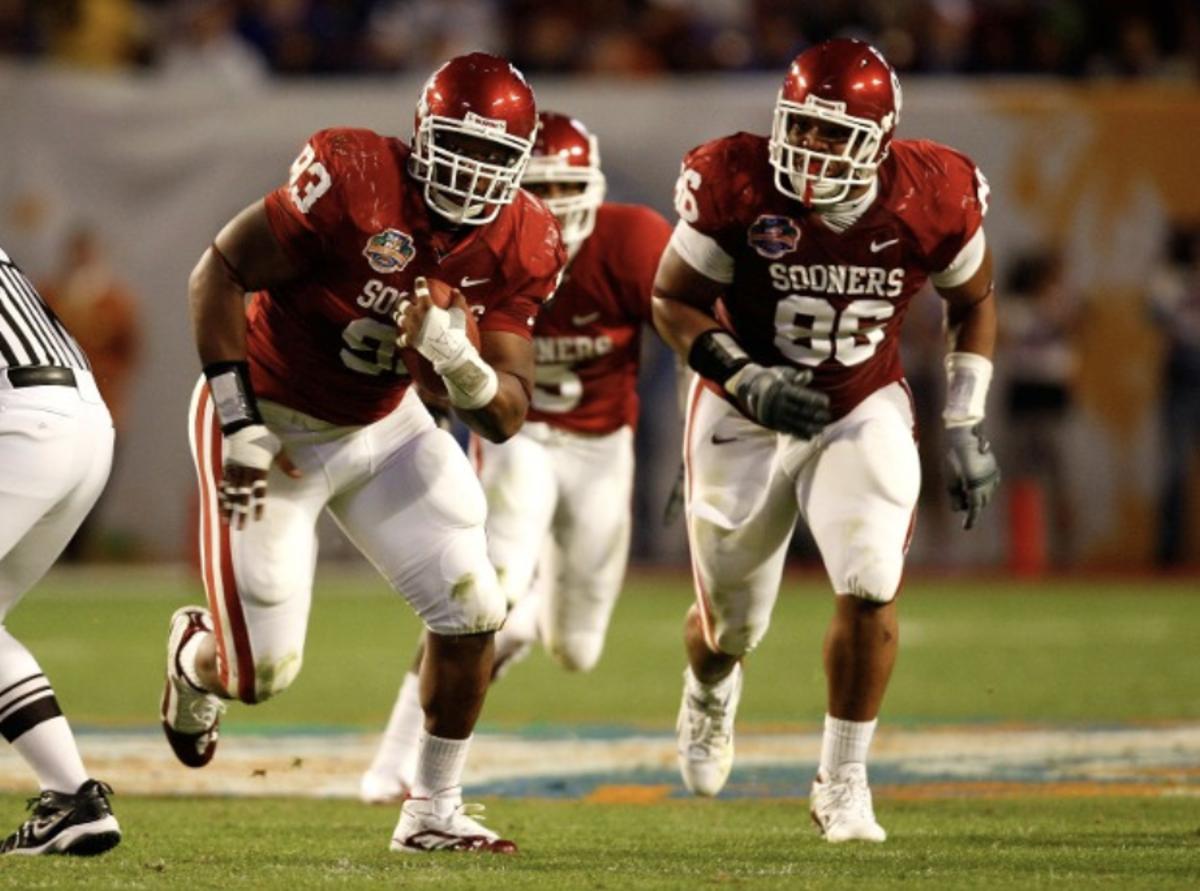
pixel 328 765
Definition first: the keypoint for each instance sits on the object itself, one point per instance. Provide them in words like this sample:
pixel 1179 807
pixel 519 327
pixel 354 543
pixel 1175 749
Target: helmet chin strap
pixel 841 216
pixel 452 209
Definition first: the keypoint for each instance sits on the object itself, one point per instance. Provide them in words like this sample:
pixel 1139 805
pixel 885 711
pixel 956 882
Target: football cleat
pixel 704 733
pixel 841 806
pixel 190 716
pixel 444 823
pixel 380 788
pixel 62 823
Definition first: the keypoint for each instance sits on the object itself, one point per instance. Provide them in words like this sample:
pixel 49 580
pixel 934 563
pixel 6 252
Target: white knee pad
pixel 871 575
pixel 738 640
pixel 577 651
pixel 475 602
pixel 272 677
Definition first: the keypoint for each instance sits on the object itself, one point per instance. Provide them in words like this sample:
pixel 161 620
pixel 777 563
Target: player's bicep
pixel 971 286
pixel 248 246
pixel 679 280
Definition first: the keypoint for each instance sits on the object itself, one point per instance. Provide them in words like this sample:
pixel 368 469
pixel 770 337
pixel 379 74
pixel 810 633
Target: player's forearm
pixel 972 328
pixel 501 418
pixel 680 324
pixel 971 337
pixel 218 311
pixel 971 312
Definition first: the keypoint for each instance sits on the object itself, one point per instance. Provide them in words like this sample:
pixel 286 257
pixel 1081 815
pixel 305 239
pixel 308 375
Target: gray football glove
pixel 971 470
pixel 779 398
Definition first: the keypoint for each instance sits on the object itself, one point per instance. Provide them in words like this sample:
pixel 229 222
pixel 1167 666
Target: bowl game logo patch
pixel 389 250
pixel 773 236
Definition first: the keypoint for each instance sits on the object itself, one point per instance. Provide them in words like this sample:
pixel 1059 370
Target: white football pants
pixel 855 485
pixel 56 446
pixel 561 499
pixel 400 489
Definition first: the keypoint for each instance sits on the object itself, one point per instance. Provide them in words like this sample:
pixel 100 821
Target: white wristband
pixel 967 378
pixel 470 383
pixel 254 446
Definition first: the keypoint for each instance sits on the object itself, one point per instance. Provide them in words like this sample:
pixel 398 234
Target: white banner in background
pixel 160 166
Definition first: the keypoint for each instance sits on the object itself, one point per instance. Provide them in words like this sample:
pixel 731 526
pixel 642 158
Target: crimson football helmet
pixel 566 154
pixel 847 90
pixel 474 130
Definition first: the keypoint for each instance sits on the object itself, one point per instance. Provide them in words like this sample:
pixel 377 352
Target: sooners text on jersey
pixel 588 338
pixel 807 295
pixel 359 226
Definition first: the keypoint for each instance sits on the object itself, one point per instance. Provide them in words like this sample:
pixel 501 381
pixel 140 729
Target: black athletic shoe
pixel 81 824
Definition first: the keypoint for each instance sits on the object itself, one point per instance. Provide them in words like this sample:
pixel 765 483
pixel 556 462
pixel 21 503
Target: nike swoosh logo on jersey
pixel 717 439
pixel 580 321
pixel 877 246
pixel 468 282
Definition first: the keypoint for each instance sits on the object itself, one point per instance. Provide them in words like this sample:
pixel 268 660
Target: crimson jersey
pixel 804 294
pixel 588 338
pixel 360 228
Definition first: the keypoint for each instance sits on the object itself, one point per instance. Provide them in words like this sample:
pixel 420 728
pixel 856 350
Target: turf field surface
pixel 1093 680
pixel 1060 652
pixel 279 844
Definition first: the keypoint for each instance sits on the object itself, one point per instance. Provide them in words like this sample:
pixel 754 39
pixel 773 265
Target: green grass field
pixel 1074 651
pixel 1064 653
pixel 272 844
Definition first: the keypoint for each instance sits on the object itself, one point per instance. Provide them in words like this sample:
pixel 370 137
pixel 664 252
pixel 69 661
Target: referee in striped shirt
pixel 56 442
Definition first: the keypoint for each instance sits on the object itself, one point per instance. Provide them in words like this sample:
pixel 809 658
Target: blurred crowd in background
pixel 236 44
pixel 249 39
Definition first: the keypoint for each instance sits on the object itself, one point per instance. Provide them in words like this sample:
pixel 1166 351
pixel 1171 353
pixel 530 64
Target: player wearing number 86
pixel 784 285
pixel 559 492
pixel 305 406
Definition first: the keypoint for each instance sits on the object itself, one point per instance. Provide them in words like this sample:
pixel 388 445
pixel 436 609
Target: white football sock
pixel 845 742
pixel 31 720
pixel 439 765
pixel 398 750
pixel 720 690
pixel 50 750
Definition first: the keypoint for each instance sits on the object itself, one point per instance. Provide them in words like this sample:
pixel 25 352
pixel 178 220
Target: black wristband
pixel 233 397
pixel 717 356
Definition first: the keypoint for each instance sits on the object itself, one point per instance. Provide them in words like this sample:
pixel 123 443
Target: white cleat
pixel 444 823
pixel 382 788
pixel 704 733
pixel 191 717
pixel 841 806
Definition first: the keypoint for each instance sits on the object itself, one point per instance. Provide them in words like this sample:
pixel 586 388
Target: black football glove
pixel 779 398
pixel 972 471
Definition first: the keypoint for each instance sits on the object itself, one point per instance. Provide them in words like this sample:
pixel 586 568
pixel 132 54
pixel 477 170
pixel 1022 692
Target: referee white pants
pixel 56 445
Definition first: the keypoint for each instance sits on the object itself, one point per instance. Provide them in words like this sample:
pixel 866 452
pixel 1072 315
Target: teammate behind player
pixel 560 491
pixel 56 444
pixel 784 286
pixel 305 406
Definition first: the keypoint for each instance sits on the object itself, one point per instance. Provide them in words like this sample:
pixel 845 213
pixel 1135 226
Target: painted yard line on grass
pixel 910 763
